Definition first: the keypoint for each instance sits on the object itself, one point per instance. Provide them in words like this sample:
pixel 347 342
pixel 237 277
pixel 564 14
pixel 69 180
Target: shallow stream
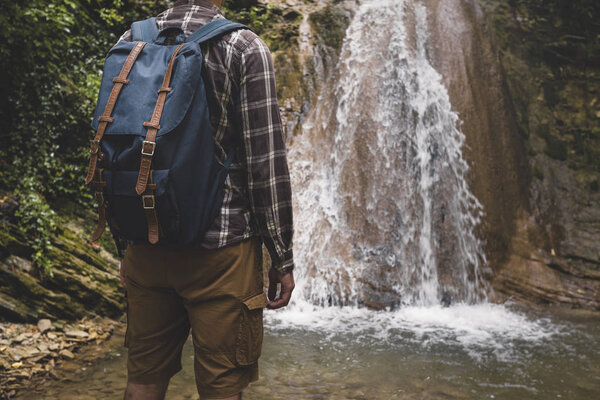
pixel 461 352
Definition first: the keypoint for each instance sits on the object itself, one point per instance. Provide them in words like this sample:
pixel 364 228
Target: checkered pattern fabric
pixel 240 85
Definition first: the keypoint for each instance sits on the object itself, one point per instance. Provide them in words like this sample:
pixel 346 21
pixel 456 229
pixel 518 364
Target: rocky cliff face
pixel 526 88
pixel 549 55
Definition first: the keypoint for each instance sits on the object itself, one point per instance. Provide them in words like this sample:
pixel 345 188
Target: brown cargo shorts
pixel 217 293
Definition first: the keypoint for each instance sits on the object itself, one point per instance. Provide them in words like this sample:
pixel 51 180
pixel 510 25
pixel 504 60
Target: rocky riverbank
pixel 32 354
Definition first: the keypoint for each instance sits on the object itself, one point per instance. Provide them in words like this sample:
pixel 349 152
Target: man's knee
pixel 152 391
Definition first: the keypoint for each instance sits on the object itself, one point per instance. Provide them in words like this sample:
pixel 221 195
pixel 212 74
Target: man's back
pixel 240 86
pixel 216 288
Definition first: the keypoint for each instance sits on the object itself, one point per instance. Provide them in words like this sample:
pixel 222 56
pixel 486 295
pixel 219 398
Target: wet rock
pixel 19 263
pixel 19 338
pixel 66 354
pixel 77 334
pixel 533 142
pixel 446 299
pixel 84 283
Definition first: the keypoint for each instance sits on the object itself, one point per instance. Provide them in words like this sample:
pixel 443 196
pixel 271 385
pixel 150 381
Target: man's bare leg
pixel 154 391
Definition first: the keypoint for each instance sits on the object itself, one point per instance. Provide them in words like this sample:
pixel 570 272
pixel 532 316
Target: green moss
pixel 538 173
pixel 543 130
pixel 556 148
pixel 329 25
pixel 551 48
pixel 552 92
pixel 289 75
pixel 13 241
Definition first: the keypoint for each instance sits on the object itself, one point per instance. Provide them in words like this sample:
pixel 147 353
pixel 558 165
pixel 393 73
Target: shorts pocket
pixel 250 334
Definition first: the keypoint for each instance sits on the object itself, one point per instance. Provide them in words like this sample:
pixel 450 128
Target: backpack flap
pixel 145 31
pixel 137 100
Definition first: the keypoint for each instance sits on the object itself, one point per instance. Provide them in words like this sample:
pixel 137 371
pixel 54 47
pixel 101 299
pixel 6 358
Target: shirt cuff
pixel 121 245
pixel 285 264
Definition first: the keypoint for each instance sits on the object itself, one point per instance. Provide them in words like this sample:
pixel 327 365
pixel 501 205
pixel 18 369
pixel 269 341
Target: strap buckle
pixel 94 146
pixel 148 202
pixel 149 153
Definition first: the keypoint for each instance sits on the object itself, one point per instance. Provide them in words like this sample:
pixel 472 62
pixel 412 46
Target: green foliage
pixel 51 54
pixel 38 220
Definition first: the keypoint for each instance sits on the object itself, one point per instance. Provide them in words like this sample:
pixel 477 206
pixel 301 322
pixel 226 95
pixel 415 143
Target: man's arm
pixel 268 176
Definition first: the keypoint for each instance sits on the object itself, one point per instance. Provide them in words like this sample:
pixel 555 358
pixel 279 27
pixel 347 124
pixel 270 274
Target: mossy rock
pixel 82 282
pixel 329 25
pixel 556 148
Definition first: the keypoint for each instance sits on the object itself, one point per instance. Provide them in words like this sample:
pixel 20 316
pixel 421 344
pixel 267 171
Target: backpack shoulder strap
pixel 214 29
pixel 145 31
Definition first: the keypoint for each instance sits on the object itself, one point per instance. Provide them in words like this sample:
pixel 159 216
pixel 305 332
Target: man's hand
pixel 287 285
pixel 122 274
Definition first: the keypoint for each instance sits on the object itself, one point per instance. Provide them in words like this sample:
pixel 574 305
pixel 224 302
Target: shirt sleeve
pixel 269 186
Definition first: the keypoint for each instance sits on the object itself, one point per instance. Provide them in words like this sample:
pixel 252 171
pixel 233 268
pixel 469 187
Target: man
pixel 216 287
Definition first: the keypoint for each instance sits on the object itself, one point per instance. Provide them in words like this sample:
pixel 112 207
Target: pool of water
pixel 460 352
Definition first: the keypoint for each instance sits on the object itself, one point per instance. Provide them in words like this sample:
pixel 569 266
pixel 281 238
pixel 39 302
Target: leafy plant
pixel 38 220
pixel 51 54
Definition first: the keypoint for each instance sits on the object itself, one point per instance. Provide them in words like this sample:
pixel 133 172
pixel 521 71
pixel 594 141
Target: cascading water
pixel 384 217
pixel 383 212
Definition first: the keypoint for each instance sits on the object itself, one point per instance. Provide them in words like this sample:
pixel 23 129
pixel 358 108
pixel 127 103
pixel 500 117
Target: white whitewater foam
pixel 482 330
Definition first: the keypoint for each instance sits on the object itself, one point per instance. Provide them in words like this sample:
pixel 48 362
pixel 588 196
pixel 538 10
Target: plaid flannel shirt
pixel 240 85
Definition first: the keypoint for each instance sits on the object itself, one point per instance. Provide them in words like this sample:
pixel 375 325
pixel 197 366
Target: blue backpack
pixel 153 166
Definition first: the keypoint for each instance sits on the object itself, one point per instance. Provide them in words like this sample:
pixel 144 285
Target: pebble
pixel 44 325
pixel 79 334
pixel 66 354
pixel 20 338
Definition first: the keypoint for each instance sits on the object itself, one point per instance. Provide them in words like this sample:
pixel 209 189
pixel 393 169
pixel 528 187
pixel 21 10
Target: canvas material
pixel 188 176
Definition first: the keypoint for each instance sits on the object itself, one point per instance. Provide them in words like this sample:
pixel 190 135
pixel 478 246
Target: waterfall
pixel 384 216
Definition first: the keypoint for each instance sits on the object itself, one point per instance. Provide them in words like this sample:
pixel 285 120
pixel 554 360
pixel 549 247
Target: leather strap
pixel 149 204
pixel 99 186
pixel 106 118
pixel 149 145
